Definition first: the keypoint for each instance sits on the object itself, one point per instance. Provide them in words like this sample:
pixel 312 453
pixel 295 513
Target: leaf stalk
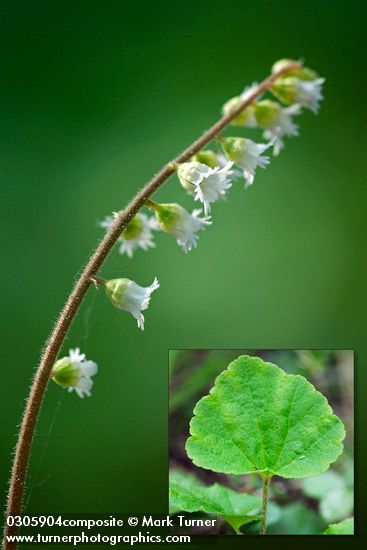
pixel 264 508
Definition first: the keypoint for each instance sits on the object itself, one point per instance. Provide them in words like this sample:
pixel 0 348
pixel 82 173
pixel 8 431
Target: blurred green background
pixel 95 97
pixel 297 506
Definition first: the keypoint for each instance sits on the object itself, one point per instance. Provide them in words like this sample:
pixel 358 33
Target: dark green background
pixel 95 97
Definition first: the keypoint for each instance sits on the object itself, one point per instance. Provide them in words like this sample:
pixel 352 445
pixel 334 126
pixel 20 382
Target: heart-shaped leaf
pixel 345 527
pixel 257 419
pixel 188 494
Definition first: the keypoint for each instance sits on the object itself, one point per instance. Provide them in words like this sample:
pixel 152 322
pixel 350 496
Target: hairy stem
pixel 264 509
pixel 76 296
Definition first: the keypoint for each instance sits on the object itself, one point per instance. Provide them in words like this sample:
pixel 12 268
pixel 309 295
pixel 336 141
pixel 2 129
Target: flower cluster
pixel 207 176
pixel 297 88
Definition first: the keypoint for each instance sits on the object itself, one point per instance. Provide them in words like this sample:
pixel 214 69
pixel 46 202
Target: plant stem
pixel 264 509
pixel 76 296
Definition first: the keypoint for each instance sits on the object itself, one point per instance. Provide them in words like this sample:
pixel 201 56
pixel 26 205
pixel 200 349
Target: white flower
pixel 205 183
pixel 179 223
pixel 249 90
pixel 298 85
pixel 137 234
pixel 282 125
pixel 76 356
pixel 247 115
pixel 247 155
pixel 309 93
pixel 129 296
pixel 74 372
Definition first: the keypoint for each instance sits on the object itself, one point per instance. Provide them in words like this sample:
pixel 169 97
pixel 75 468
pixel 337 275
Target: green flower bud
pixel 207 157
pixel 307 74
pixel 168 215
pixel 304 73
pixel 115 289
pixel 233 147
pixel 286 89
pixel 65 373
pixel 244 117
pixel 266 112
pixel 134 228
pixel 282 63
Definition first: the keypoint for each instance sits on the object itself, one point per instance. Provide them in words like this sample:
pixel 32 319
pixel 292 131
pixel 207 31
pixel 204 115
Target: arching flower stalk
pixel 133 230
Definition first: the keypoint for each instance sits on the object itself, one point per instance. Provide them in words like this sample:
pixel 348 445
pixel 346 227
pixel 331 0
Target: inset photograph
pixel 261 442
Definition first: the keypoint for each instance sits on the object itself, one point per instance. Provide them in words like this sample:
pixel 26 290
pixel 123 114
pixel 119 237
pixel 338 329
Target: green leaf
pixel 188 494
pixel 257 419
pixel 236 522
pixel 345 527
